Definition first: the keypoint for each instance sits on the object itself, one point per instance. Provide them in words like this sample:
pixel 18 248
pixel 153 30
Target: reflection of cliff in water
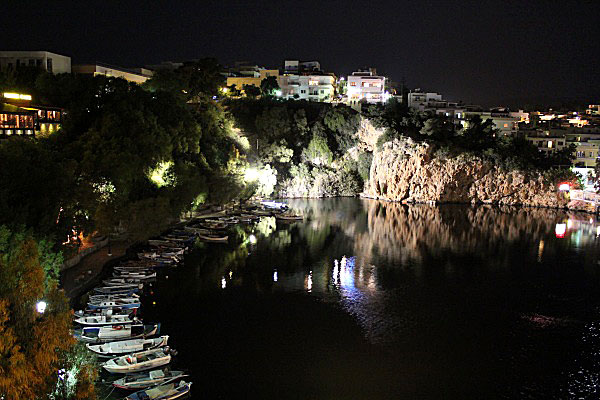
pixel 398 233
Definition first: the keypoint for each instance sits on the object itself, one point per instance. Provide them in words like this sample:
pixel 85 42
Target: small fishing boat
pixel 103 311
pixel 119 348
pixel 213 238
pixel 163 392
pixel 102 320
pixel 120 289
pixel 139 361
pixel 145 379
pixel 289 217
pixel 117 281
pixel 113 333
pixel 119 303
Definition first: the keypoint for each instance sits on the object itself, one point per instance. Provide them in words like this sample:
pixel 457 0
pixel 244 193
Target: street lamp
pixel 41 306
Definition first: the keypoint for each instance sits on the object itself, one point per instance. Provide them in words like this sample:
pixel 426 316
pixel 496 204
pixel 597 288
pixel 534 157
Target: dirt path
pixel 77 278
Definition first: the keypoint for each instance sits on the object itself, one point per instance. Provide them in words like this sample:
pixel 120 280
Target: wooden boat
pixel 120 289
pixel 145 379
pixel 289 217
pixel 113 333
pixel 117 281
pixel 120 303
pixel 163 392
pixel 139 275
pixel 214 238
pixel 102 320
pixel 139 361
pixel 119 348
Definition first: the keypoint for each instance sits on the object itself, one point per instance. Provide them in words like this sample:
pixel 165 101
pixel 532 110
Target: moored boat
pixel 112 333
pixel 119 348
pixel 145 379
pixel 213 238
pixel 163 392
pixel 139 361
pixel 102 320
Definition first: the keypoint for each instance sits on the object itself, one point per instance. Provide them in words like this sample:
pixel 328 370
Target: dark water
pixel 373 300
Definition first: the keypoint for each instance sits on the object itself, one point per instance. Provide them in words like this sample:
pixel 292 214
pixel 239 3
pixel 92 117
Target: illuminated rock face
pixel 410 172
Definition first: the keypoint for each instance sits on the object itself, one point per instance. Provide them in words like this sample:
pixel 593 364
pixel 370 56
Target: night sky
pixel 484 52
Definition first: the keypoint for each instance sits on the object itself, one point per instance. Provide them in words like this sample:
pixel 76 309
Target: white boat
pixel 140 361
pixel 112 333
pixel 168 391
pixel 133 274
pixel 119 348
pixel 101 320
pixel 117 281
pixel 145 379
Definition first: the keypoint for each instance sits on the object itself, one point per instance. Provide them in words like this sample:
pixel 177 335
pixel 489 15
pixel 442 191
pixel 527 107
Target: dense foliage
pixel 302 145
pixel 127 157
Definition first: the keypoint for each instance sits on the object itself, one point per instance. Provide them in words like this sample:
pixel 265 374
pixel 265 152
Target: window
pixel 560 143
pixel 506 125
pixel 591 154
pixel 539 143
pixel 352 83
pixel 580 154
pixel 49 65
pixel 31 62
pixel 322 91
pixel 303 91
pixel 38 63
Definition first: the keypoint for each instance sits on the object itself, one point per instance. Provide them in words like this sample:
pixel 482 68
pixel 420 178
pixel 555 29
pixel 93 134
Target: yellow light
pixel 17 96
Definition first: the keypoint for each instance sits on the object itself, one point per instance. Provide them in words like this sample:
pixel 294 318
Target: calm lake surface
pixel 373 300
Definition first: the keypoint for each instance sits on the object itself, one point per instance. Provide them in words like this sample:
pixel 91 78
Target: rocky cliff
pixel 403 170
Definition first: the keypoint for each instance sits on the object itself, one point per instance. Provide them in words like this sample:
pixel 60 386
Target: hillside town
pixel 548 130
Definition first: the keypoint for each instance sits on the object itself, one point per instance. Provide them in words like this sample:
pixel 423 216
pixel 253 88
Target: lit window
pixel 352 83
pixel 506 125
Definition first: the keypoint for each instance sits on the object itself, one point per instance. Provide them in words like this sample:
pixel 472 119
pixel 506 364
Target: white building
pixel 50 62
pixel 366 86
pixel 423 100
pixel 137 75
pixel 307 87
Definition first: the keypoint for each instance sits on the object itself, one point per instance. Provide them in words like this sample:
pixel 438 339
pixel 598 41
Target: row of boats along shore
pixel 111 325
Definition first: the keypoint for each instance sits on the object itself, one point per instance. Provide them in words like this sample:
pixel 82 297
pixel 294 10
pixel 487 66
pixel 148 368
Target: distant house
pixel 136 75
pixel 244 73
pixel 50 62
pixel 366 86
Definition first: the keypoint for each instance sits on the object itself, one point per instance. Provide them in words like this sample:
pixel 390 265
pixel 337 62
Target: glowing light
pixel 252 239
pixel 275 273
pixel 309 282
pixel 251 175
pixel 17 96
pixel 278 93
pixel 41 306
pixel 560 230
pixel 569 224
pixel 158 175
pixel 598 230
pixel 564 187
pixel 225 90
pixel 223 283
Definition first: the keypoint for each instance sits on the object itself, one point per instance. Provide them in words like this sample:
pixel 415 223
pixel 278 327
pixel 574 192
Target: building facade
pixel 249 75
pixel 50 62
pixel 366 87
pixel 19 118
pixel 138 75
pixel 307 87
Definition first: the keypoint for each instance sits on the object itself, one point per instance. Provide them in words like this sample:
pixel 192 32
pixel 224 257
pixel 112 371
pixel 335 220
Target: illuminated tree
pixel 32 344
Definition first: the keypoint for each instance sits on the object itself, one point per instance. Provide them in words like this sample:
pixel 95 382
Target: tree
pixel 251 90
pixel 32 344
pixel 318 152
pixel 439 128
pixel 479 135
pixel 269 86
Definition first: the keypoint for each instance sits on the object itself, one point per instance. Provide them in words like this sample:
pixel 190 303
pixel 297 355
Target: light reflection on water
pixel 478 295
